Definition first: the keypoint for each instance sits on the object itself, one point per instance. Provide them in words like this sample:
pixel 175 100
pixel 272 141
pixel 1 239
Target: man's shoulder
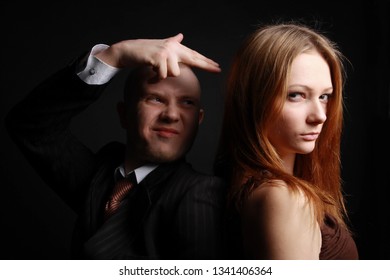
pixel 186 168
pixel 188 186
pixel 187 176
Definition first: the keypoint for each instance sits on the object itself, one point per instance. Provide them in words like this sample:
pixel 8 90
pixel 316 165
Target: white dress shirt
pixel 96 71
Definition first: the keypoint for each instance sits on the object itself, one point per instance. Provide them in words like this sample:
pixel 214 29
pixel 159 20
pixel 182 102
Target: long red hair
pixel 255 94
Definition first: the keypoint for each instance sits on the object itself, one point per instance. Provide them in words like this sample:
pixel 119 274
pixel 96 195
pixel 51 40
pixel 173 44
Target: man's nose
pixel 170 113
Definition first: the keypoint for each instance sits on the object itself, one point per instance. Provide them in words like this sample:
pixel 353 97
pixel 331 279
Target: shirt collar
pixel 140 172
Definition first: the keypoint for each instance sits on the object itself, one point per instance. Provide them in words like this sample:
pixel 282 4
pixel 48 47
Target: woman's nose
pixel 317 113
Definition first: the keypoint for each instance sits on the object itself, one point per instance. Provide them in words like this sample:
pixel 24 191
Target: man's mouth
pixel 166 132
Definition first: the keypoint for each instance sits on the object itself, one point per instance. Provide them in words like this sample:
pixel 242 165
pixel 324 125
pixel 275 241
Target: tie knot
pixel 121 189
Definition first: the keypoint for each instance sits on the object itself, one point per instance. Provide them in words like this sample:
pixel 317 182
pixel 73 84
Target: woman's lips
pixel 310 136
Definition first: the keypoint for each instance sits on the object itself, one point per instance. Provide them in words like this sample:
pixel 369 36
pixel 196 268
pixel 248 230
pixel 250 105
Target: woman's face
pixel 303 114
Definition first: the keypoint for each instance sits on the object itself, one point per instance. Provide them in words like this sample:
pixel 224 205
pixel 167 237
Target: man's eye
pixel 188 102
pixel 155 99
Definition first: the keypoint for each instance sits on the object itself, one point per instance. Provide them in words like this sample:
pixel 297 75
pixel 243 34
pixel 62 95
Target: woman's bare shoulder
pixel 276 194
pixel 285 219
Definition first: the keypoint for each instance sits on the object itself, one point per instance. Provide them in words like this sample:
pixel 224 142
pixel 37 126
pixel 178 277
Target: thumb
pixel 179 37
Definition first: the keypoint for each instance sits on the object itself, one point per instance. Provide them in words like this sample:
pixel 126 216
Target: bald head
pixel 161 116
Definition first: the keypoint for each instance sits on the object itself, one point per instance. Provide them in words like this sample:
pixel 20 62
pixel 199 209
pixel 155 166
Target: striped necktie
pixel 120 190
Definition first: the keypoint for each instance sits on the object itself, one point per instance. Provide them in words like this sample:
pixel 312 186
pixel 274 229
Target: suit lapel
pixel 156 182
pixel 100 186
pixel 115 239
pixel 122 236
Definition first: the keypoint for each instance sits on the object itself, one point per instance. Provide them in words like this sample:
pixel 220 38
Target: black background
pixel 39 38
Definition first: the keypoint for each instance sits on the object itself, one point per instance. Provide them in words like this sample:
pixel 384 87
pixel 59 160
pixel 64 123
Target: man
pixel 170 211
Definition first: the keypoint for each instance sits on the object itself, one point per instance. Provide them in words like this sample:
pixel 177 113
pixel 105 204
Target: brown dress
pixel 337 242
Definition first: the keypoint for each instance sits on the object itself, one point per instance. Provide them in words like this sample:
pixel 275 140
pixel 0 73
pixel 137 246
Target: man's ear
pixel 201 115
pixel 120 108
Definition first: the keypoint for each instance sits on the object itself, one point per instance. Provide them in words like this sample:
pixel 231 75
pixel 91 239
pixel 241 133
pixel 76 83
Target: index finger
pixel 198 60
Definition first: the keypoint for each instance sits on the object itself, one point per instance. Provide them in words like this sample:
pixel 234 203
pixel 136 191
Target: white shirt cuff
pixel 96 71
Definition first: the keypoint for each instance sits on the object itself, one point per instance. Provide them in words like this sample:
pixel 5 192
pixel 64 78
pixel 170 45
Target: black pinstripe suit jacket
pixel 174 213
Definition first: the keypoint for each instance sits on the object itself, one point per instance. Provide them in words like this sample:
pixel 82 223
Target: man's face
pixel 162 125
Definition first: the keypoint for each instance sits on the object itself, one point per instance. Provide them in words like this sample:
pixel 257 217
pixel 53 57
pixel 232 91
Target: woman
pixel 280 145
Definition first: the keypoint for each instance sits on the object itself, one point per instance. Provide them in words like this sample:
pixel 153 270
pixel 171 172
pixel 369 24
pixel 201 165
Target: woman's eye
pixel 325 97
pixel 295 96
